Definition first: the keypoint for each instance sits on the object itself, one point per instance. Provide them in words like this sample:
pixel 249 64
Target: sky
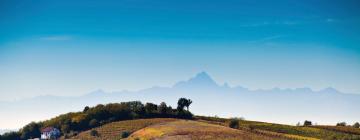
pixel 70 48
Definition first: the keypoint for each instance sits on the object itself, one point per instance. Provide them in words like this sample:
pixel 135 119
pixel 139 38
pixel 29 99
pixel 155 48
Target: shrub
pixel 93 123
pixel 234 123
pixel 356 125
pixel 341 124
pixel 11 136
pixel 94 133
pixel 125 134
pixel 307 123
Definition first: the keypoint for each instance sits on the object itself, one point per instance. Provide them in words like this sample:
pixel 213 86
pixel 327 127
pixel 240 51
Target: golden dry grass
pixel 194 130
pixel 112 131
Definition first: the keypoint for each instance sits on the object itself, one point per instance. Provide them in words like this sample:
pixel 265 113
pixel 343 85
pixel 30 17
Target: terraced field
pixel 113 131
pixel 189 130
pixel 297 132
pixel 214 129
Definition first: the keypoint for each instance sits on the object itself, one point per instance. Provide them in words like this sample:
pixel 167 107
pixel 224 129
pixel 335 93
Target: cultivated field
pixel 215 129
pixel 113 131
pixel 189 130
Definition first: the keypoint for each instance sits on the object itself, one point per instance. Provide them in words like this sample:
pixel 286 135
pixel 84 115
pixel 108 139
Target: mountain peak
pixel 329 90
pixel 201 79
pixel 203 76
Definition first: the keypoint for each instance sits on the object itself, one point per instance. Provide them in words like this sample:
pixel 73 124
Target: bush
pixel 93 123
pixel 356 125
pixel 10 136
pixel 307 123
pixel 341 124
pixel 125 134
pixel 94 133
pixel 234 123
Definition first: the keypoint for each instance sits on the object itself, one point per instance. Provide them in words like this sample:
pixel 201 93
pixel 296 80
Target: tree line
pixel 72 123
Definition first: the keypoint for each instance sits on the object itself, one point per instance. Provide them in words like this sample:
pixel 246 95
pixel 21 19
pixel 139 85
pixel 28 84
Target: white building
pixel 50 133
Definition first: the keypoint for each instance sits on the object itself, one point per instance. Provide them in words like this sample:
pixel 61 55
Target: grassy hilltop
pixel 138 121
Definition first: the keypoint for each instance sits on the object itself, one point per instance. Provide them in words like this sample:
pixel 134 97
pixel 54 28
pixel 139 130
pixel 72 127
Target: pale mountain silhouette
pixel 290 106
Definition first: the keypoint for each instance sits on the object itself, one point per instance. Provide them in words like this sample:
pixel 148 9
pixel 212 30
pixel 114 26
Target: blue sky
pixel 70 48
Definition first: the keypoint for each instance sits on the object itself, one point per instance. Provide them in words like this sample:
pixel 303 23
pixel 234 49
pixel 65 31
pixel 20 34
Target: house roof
pixel 48 129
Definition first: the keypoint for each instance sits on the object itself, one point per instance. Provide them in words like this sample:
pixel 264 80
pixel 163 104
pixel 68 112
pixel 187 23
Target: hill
pixel 214 128
pixel 152 121
pixel 114 130
pixel 188 130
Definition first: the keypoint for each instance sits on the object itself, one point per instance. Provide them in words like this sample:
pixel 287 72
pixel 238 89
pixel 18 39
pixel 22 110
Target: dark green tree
pixel 150 108
pixel 94 133
pixel 86 108
pixel 125 134
pixel 234 123
pixel 341 124
pixel 356 125
pixel 307 123
pixel 183 102
pixel 11 136
pixel 162 108
pixel 32 130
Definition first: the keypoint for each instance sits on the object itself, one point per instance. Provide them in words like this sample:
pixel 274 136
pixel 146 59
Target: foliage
pixel 307 123
pixel 234 123
pixel 86 108
pixel 356 125
pixel 113 131
pixel 341 124
pixel 317 132
pixel 91 117
pixel 183 102
pixel 32 130
pixel 162 108
pixel 10 136
pixel 93 123
pixel 94 133
pixel 125 134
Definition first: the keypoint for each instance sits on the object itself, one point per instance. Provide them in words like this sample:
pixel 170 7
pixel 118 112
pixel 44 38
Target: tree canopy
pixel 91 117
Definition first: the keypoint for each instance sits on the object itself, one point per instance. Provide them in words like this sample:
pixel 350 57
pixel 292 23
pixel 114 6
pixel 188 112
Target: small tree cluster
pixel 91 117
pixel 341 124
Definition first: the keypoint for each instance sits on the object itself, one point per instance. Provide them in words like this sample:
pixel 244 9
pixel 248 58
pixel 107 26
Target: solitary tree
pixel 86 108
pixel 234 123
pixel 307 123
pixel 183 102
pixel 356 125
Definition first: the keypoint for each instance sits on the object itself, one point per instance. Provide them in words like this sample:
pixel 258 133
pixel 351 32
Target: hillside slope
pixel 188 130
pixel 214 128
pixel 113 131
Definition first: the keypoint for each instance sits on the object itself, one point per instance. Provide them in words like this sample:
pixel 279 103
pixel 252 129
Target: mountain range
pixel 288 106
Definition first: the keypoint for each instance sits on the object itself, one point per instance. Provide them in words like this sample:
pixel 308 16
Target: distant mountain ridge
pixel 210 98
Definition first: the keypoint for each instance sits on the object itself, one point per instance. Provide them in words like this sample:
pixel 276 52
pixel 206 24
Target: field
pixel 215 128
pixel 113 130
pixel 313 132
pixel 188 130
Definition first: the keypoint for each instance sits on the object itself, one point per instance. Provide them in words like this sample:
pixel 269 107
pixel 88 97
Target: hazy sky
pixel 69 48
